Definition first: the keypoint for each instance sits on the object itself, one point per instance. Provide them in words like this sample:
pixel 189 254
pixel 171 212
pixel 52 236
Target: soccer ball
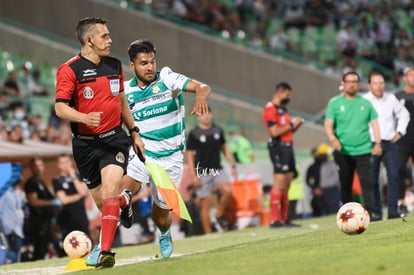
pixel 352 218
pixel 77 244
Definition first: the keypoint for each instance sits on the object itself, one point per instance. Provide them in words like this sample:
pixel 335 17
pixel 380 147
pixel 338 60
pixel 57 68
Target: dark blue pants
pixel 15 244
pixel 390 160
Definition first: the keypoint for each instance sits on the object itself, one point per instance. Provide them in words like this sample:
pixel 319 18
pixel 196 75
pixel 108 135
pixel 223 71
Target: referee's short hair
pixel 84 27
pixel 282 86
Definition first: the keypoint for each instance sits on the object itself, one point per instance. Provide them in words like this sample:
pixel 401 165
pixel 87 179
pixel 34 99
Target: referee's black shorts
pixel 93 153
pixel 282 157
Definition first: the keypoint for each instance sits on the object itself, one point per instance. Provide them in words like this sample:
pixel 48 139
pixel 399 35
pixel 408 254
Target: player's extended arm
pixel 202 91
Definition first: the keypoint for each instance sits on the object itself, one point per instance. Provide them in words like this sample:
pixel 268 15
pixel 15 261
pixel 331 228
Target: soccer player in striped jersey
pixel 156 102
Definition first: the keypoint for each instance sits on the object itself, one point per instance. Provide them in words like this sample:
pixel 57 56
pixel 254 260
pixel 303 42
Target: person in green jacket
pixel 240 146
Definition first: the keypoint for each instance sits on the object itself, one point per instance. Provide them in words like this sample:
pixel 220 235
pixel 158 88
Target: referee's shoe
pixel 106 259
pixel 127 216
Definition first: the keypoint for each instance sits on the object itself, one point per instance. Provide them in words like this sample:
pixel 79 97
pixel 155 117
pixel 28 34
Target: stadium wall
pixel 203 57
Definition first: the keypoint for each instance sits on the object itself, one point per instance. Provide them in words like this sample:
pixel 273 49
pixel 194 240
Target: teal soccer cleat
pixel 166 246
pixel 92 259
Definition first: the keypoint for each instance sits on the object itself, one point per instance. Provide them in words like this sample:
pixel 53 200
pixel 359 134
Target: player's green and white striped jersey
pixel 158 111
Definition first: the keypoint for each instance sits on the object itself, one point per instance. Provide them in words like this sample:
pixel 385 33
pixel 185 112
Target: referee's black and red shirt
pixel 278 115
pixel 90 87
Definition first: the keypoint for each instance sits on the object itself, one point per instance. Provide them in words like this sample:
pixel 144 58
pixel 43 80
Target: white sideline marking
pixel 60 269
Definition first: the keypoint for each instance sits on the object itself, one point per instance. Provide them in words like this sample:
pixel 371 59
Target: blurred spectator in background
pixel 240 146
pixel 12 218
pixel 10 86
pixel 37 88
pixel 383 31
pixel 408 184
pixel 38 129
pixel 204 144
pixel 266 189
pixel 393 119
pixel 323 179
pixel 278 40
pixel 404 59
pixel 94 217
pixel 36 123
pixel 347 41
pixel 316 13
pixel 193 206
pixel 44 207
pixel 366 46
pixel 71 191
pixel 4 105
pixel 64 135
pixel 31 82
pixel 143 227
pixel 54 120
pixel 406 143
pixel 26 81
pixel 19 117
pixel 4 135
pixel 15 133
pixel 350 65
pixel 294 13
pixel 347 121
pixel 52 133
pixel 39 134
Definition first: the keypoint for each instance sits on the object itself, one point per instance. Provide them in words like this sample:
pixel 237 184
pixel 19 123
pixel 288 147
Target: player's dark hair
pixel 85 25
pixel 374 73
pixel 140 46
pixel 350 73
pixel 282 86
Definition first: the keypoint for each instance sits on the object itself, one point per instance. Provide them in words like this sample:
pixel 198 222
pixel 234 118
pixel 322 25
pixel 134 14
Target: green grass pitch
pixel 317 247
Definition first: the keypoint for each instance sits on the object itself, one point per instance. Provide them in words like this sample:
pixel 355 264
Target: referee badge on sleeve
pixel 120 157
pixel 114 85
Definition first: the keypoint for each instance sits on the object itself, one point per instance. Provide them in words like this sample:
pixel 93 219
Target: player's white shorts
pixel 172 164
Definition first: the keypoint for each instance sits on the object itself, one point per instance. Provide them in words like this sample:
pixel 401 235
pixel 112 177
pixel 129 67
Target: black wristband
pixel 134 129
